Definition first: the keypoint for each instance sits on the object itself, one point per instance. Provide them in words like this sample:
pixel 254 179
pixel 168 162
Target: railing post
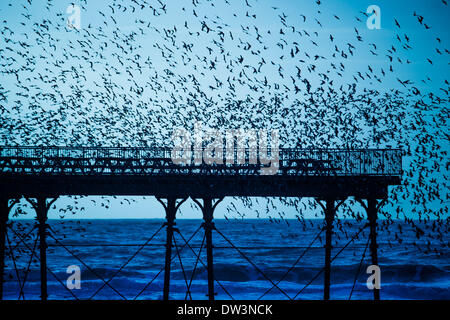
pixel 209 226
pixel 4 213
pixel 41 212
pixel 170 222
pixel 329 218
pixel 372 216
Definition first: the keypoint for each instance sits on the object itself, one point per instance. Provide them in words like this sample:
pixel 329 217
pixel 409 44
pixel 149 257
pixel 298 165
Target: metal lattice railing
pixel 158 161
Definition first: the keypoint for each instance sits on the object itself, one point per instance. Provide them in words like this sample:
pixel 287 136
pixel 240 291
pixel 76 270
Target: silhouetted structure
pixel 43 173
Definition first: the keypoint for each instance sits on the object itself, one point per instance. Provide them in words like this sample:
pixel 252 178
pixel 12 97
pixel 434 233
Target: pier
pixel 42 174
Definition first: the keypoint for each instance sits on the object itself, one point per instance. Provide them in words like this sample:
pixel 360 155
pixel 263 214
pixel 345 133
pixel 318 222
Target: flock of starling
pixel 137 69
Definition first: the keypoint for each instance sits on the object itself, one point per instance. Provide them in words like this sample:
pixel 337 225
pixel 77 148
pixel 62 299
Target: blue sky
pixel 233 17
pixel 422 41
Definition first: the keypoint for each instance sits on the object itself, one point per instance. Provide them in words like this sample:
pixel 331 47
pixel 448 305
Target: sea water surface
pixel 105 249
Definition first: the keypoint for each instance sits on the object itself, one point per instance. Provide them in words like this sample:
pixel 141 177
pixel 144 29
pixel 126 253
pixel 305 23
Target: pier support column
pixel 330 207
pixel 4 213
pixel 171 209
pixel 372 206
pixel 41 206
pixel 41 213
pixel 170 222
pixel 208 216
pixel 372 210
pixel 329 219
pixel 209 226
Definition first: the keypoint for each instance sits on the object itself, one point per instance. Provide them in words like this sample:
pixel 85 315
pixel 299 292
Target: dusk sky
pixel 343 20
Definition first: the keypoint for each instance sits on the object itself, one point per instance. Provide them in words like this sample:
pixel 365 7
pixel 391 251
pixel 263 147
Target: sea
pixel 253 259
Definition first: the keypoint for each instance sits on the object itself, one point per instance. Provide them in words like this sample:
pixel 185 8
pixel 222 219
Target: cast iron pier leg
pixel 209 226
pixel 4 212
pixel 329 218
pixel 170 217
pixel 41 212
pixel 372 216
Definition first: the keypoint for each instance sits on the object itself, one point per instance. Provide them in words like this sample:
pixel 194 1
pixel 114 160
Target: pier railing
pixel 158 161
